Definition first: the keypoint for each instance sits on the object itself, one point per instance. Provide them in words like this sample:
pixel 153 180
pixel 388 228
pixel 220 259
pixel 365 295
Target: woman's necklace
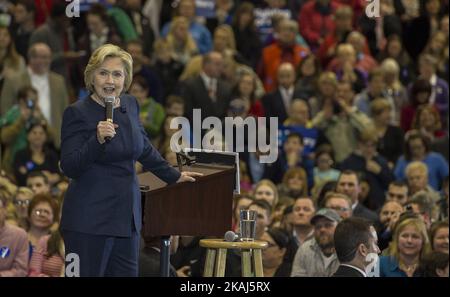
pixel 409 268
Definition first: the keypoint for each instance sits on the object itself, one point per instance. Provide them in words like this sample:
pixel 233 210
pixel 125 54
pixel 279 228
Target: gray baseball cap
pixel 327 213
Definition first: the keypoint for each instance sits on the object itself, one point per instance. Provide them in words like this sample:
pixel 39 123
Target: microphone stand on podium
pixel 187 209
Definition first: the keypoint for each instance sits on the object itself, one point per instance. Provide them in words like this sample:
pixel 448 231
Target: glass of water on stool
pixel 247 225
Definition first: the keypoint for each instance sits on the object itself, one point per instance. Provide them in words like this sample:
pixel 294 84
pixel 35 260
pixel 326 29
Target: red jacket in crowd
pixel 273 56
pixel 313 25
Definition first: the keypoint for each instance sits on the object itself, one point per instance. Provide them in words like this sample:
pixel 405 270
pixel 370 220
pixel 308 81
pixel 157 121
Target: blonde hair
pixel 230 40
pixel 345 48
pixel 161 44
pixel 328 77
pixel 438 34
pixel 379 105
pixel 389 65
pixel 25 191
pixel 289 24
pixel 368 134
pixel 331 195
pixel 270 184
pixel 416 165
pixel 192 68
pixel 442 56
pixel 189 46
pixel 420 226
pixel 99 56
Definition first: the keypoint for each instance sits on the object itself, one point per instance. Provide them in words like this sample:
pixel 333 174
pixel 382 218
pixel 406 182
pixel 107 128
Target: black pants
pixel 102 255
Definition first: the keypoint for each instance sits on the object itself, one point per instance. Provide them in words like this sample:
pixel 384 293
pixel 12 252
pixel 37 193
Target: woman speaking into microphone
pixel 101 214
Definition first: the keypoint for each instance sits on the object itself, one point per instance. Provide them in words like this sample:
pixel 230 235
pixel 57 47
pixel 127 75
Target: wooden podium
pixel 200 208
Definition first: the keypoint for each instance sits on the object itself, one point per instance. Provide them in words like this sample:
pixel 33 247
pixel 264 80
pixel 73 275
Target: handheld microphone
pixel 230 236
pixel 109 101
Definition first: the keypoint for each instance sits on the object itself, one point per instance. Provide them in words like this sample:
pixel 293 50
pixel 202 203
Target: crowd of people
pixel 362 110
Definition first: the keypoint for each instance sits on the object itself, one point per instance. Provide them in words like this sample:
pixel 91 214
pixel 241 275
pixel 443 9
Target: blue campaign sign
pixel 86 4
pixel 310 136
pixel 263 19
pixel 205 8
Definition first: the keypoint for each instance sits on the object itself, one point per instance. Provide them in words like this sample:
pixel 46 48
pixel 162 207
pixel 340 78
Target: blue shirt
pixel 437 169
pixel 389 268
pixel 200 33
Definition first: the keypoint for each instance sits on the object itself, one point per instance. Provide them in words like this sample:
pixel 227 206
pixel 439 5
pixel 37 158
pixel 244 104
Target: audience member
pixel 408 247
pixel 14 243
pixel 349 184
pixel 317 256
pixel 390 138
pixel 340 203
pixel 273 255
pixel 285 50
pixel 366 161
pixel 439 236
pixel 340 121
pixel 417 149
pixel 52 96
pixel 354 240
pixel 266 190
pixel 263 216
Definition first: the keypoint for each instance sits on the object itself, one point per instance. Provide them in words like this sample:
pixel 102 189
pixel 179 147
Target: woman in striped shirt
pixel 48 257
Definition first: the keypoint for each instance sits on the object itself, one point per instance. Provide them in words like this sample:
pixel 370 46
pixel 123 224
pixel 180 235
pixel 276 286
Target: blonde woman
pixel 439 49
pixel 326 85
pixel 18 212
pixel 181 41
pixel 224 39
pixel 101 214
pixel 266 190
pixel 409 245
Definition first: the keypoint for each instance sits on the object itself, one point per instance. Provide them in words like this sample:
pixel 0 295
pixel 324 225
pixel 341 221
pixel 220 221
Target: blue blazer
pixel 389 268
pixel 103 196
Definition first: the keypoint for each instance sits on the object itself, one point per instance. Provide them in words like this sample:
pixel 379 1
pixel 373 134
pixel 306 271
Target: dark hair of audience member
pixel 412 135
pixel 264 205
pixel 329 186
pixel 279 236
pixel 419 86
pixel 349 234
pixel 295 135
pixel 432 262
pixel 33 174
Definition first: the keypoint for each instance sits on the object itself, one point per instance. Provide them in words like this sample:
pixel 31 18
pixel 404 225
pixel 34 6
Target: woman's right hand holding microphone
pixel 105 129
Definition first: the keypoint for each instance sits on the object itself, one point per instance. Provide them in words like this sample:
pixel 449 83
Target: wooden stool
pixel 220 247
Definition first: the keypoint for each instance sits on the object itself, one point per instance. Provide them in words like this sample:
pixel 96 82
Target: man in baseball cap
pixel 317 256
pixel 326 213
